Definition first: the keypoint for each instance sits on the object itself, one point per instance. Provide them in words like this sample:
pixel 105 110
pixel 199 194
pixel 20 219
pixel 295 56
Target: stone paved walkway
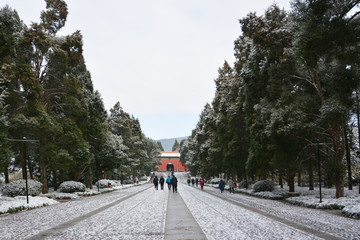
pixel 180 224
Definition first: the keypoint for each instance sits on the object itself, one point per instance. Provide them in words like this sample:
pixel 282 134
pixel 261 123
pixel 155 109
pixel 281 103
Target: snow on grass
pixel 350 204
pixel 268 195
pixel 326 203
pixel 19 203
pixel 352 211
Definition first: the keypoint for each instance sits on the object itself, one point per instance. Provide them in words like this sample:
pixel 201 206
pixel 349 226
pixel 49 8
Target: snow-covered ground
pixel 328 222
pixel 222 220
pixel 140 212
pixel 13 204
pixel 142 217
pixel 28 223
pixel 350 204
pixel 9 204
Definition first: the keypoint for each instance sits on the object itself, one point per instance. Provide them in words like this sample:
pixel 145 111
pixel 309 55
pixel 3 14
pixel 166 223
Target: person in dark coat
pixel 192 182
pixel 197 182
pixel 156 182
pixel 221 185
pixel 162 180
pixel 174 183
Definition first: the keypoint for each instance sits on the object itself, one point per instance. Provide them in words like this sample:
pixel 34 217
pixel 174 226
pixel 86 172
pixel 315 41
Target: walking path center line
pixel 180 224
pixel 281 220
pixel 61 227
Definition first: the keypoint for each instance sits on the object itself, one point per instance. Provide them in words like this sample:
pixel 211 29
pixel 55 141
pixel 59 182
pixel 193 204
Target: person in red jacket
pixel 202 183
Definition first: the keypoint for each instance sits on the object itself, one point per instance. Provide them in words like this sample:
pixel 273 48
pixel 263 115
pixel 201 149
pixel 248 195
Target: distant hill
pixel 168 143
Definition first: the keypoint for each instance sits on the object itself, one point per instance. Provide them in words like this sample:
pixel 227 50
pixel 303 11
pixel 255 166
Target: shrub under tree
pixel 71 186
pixel 18 188
pixel 263 186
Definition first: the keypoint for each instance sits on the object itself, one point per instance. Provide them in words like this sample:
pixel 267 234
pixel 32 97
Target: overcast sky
pixel 158 58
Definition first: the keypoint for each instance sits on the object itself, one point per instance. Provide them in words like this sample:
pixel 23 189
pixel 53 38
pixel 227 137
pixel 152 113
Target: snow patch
pixel 8 204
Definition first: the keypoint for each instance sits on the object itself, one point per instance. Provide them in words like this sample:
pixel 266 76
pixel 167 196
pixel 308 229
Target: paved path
pixel 180 224
pixel 60 228
pixel 143 213
pixel 314 232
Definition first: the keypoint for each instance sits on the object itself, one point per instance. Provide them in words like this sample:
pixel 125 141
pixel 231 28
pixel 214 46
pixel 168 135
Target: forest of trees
pixel 47 95
pixel 293 90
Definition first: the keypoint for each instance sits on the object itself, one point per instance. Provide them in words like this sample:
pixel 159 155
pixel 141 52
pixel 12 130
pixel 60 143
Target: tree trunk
pixel 76 175
pixel 88 181
pixel 340 189
pixel 6 173
pixel 43 166
pixel 291 182
pixel 61 177
pixel 358 117
pixel 348 158
pixel 55 183
pixel 299 179
pixel 340 149
pixel 311 176
pixel 43 176
pixel 281 181
pixel 30 169
pixel 336 133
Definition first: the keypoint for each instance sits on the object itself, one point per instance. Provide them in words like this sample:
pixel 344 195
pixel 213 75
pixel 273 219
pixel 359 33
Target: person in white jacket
pixel 231 185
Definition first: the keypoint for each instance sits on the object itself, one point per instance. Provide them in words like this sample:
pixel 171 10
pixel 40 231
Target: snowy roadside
pixel 26 224
pixel 221 220
pixel 19 203
pixel 140 217
pixel 329 222
pixel 349 205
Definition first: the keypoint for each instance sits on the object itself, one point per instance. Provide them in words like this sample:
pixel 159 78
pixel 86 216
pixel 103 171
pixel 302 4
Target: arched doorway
pixel 170 167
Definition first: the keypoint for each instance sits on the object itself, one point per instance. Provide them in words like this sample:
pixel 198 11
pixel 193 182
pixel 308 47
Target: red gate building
pixel 170 161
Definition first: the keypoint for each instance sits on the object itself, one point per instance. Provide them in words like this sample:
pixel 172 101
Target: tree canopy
pixel 293 82
pixel 47 94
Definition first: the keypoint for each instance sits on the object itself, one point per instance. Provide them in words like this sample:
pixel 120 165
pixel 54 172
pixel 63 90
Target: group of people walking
pixel 231 183
pixel 171 182
pixel 196 181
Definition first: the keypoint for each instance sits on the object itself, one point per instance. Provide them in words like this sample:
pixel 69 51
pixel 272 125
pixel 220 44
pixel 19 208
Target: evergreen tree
pixel 153 151
pixel 176 146
pixel 46 93
pixel 97 132
pixel 184 151
pixel 326 42
pixel 5 152
pixel 10 27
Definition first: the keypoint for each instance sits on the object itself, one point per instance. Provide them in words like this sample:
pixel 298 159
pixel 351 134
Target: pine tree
pixel 176 146
pixel 326 43
pixel 10 28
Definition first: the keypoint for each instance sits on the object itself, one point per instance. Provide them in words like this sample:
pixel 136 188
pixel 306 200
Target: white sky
pixel 157 58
